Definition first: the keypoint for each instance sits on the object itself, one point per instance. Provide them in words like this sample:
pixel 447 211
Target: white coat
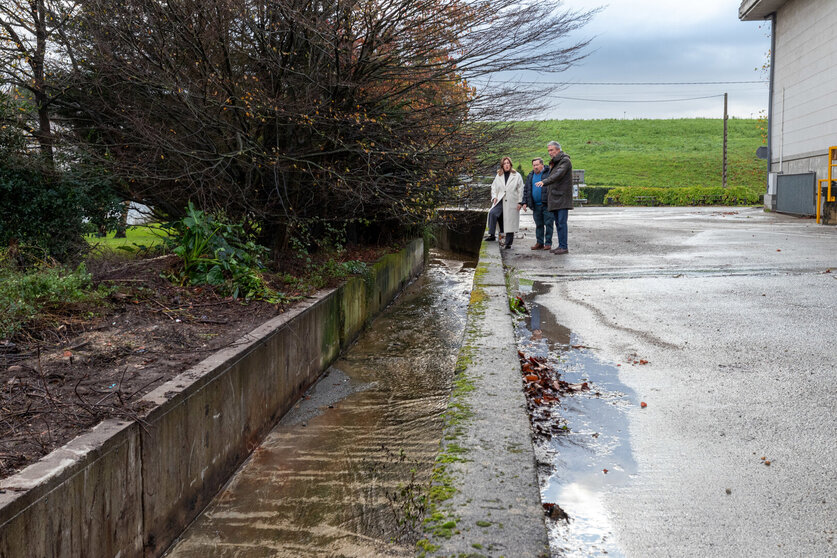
pixel 509 194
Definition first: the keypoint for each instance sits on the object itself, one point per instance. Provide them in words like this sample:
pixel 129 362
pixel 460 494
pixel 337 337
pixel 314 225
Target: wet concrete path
pixel 591 454
pixel 718 319
pixel 344 473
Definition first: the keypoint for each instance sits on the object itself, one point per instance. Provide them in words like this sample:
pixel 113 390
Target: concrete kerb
pixel 127 490
pixel 486 499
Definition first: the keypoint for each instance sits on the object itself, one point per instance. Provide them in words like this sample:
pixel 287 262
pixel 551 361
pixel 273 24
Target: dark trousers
pixel 544 221
pixel 561 224
pixel 495 216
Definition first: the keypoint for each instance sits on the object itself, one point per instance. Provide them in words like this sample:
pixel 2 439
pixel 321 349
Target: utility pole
pixel 724 172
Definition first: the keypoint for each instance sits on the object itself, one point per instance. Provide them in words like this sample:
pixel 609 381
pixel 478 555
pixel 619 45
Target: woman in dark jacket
pixel 559 187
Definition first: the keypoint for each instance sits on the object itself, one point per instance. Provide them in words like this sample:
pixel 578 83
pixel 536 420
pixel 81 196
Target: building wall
pixel 805 86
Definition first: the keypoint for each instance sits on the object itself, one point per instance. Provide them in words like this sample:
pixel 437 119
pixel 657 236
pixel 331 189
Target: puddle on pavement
pixel 571 465
pixel 343 473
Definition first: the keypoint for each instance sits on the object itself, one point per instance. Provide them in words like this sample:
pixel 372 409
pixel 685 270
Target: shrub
pixel 51 213
pixel 218 253
pixel 692 195
pixel 34 212
pixel 595 195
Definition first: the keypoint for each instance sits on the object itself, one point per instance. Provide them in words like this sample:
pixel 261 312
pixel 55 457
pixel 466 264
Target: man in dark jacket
pixel 559 187
pixel 534 197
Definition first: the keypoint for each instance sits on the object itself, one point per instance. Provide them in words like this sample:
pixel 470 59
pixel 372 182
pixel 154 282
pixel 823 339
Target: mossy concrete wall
pixel 127 489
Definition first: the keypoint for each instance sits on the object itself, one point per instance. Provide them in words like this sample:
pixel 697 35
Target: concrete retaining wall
pixel 128 490
pixel 460 230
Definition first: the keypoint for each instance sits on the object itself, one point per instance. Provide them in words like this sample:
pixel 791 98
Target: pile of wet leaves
pixel 544 388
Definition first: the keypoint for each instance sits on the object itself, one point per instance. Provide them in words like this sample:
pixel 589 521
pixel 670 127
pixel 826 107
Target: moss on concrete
pixel 441 522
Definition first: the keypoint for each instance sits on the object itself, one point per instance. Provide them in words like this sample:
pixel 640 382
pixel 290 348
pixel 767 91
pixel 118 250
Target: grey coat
pixel 559 183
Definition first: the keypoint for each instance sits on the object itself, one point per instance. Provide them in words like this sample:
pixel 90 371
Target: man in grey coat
pixel 559 187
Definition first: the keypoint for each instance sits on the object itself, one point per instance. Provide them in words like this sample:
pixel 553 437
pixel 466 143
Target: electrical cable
pixel 634 101
pixel 635 82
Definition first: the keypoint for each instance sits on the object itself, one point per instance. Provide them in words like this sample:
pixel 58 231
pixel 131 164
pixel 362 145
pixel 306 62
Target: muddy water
pixel 572 465
pixel 343 473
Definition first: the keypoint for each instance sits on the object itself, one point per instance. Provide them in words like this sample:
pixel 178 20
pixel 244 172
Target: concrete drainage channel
pixel 346 472
pixel 485 500
pixel 355 468
pixel 128 489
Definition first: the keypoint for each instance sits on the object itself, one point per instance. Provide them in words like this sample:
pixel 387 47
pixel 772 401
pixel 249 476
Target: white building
pixel 802 111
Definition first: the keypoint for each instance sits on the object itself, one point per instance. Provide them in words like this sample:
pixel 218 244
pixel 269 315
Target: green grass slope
pixel 650 153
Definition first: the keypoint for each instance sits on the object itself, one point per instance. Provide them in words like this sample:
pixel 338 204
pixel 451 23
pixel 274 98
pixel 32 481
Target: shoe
pixel 490 238
pixel 537 247
pixel 507 246
pixel 547 246
pixel 559 251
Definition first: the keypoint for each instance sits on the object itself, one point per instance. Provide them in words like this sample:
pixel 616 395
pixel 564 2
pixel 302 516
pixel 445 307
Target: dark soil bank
pixel 64 378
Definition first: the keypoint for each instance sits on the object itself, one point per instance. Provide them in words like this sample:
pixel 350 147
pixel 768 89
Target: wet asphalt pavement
pixel 721 320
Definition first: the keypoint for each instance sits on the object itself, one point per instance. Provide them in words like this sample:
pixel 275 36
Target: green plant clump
pixel 220 254
pixel 318 276
pixel 25 295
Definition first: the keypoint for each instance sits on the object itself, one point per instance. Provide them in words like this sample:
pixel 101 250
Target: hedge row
pixel 595 195
pixel 692 195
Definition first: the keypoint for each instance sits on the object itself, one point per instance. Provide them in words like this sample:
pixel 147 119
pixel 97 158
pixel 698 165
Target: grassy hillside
pixel 650 153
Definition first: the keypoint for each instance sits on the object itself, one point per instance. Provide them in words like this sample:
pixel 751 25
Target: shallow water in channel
pixel 343 472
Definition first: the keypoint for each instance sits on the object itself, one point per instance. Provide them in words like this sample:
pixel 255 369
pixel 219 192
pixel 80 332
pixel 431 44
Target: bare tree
pixel 300 114
pixel 32 43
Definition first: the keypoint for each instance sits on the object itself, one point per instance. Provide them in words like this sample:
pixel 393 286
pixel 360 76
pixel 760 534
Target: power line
pixel 638 82
pixel 646 82
pixel 634 101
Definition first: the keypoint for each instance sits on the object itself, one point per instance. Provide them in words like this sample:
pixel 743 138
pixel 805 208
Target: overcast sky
pixel 665 41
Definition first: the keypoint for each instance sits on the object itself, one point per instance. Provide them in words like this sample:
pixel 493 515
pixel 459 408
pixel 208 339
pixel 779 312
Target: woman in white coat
pixel 506 201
